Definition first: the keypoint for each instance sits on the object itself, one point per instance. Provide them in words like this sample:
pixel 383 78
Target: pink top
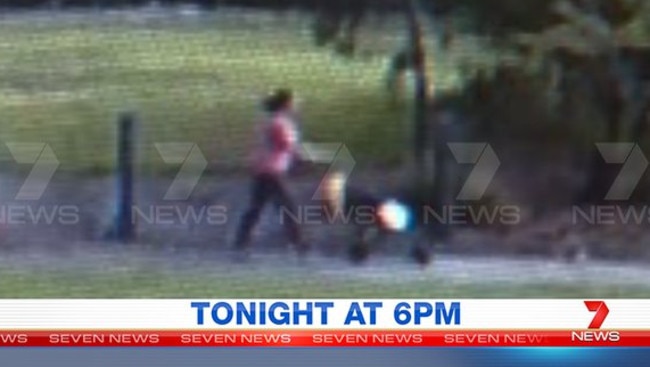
pixel 277 145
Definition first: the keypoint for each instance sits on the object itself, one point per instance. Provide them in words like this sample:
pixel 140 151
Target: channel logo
pixel 595 335
pixel 601 310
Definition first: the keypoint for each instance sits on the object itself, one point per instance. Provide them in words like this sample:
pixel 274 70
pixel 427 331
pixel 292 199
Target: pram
pixel 391 217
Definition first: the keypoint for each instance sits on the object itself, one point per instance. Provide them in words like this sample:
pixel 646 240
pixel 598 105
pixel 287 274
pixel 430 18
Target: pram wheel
pixel 359 252
pixel 421 254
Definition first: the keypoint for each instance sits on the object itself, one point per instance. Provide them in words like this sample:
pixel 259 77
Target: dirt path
pixel 199 245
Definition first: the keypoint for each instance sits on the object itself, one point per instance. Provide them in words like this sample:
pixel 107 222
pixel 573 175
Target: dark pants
pixel 268 188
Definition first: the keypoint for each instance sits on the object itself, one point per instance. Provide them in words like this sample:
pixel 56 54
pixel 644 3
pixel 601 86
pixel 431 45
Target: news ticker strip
pixel 323 314
pixel 319 338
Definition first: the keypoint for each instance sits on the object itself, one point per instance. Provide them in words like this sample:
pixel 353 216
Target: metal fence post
pixel 124 227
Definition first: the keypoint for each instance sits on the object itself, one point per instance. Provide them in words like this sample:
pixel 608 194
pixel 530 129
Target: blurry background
pixel 540 81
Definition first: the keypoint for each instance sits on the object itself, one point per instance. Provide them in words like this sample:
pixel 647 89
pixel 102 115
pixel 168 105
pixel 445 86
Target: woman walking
pixel 272 159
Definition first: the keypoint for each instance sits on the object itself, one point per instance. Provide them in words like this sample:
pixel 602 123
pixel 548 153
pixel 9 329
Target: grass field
pixel 136 274
pixel 64 78
pixel 168 285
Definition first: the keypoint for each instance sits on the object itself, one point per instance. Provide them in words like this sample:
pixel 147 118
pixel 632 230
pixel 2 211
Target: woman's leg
pixel 290 215
pixel 261 191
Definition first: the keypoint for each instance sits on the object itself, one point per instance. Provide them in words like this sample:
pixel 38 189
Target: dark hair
pixel 278 100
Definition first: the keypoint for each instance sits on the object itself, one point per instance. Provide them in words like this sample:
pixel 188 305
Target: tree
pixel 337 24
pixel 579 38
pixel 590 44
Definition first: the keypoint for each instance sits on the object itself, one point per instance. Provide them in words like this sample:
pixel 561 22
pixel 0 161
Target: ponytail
pixel 278 100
